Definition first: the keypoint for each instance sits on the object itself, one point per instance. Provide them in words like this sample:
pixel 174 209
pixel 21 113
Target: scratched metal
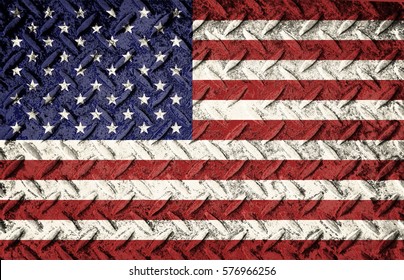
pixel 250 239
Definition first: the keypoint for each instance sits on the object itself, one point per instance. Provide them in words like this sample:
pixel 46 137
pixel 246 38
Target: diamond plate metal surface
pixel 143 238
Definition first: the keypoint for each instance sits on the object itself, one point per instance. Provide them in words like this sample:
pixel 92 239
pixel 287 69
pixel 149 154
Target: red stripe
pixel 298 50
pixel 202 210
pixel 203 249
pixel 201 170
pixel 298 90
pixel 398 1
pixel 295 10
pixel 298 130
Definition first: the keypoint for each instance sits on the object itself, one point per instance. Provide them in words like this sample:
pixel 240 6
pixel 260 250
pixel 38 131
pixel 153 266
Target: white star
pixel 80 42
pixel 16 99
pixel 16 128
pixel 111 70
pixel 159 27
pixel 176 41
pixel 112 128
pixel 32 28
pixel 48 99
pixel 96 85
pixel 80 13
pixel 16 71
pixel 96 114
pixel 144 70
pixel 80 99
pixel 16 42
pixel 112 42
pixel 16 13
pixel 176 99
pixel 160 57
pixel 64 57
pixel 160 86
pixel 32 56
pixel 128 28
pixel 111 99
pixel 48 13
pixel 144 99
pixel 32 115
pixel 80 128
pixel 128 114
pixel 160 114
pixel 176 70
pixel 176 128
pixel 144 13
pixel 48 128
pixel 64 86
pixel 48 42
pixel 48 71
pixel 96 28
pixel 127 56
pixel 64 28
pixel 64 114
pixel 80 70
pixel 144 42
pixel 144 128
pixel 96 57
pixel 176 13
pixel 128 85
pixel 32 85
pixel 111 13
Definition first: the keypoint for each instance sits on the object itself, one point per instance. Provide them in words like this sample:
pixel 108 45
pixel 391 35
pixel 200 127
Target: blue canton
pixel 96 70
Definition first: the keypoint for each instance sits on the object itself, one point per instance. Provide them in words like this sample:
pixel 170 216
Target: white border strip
pixel 213 269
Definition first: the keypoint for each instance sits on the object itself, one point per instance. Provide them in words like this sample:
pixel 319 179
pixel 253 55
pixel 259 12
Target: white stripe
pixel 297 30
pixel 297 70
pixel 198 230
pixel 297 110
pixel 202 190
pixel 202 150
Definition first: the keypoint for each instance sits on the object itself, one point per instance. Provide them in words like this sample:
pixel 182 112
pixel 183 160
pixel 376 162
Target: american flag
pixel 204 129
